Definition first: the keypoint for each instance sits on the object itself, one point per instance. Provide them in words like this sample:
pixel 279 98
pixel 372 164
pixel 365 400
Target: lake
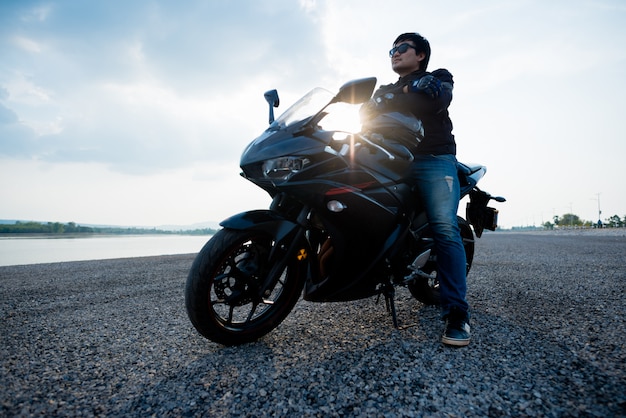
pixel 35 250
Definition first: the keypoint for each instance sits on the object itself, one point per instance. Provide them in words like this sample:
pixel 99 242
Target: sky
pixel 136 113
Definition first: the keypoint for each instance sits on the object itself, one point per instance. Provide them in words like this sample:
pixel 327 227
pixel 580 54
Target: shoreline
pixel 42 254
pixel 95 235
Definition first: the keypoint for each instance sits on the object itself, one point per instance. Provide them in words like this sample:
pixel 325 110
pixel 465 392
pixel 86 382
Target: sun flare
pixel 342 117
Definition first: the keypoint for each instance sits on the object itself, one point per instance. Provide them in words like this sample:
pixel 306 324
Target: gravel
pixel 111 338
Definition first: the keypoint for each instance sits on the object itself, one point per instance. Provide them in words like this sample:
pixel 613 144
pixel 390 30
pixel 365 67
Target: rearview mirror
pixel 271 97
pixel 356 91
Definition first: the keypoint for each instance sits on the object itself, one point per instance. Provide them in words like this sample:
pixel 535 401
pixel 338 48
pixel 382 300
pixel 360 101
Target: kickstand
pixel 389 294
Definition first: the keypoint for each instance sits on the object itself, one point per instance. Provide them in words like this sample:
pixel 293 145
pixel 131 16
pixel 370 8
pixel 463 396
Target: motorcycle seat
pixel 468 169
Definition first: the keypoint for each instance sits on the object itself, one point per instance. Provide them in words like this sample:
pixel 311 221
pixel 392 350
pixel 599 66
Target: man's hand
pixel 427 85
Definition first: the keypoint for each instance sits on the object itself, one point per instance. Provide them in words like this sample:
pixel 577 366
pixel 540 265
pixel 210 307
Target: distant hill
pixel 35 227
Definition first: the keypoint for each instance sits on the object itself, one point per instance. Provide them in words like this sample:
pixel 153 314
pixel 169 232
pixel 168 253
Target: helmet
pixel 421 45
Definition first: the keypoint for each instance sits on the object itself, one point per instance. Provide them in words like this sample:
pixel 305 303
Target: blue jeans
pixel 439 191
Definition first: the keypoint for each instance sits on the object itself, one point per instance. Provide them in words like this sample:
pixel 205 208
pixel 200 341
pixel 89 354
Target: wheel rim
pixel 235 295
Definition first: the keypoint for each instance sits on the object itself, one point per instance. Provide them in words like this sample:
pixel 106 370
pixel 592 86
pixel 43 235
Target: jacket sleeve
pixel 420 104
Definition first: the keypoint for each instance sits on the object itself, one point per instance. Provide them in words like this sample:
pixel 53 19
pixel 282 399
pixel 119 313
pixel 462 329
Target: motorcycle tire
pixel 222 293
pixel 426 290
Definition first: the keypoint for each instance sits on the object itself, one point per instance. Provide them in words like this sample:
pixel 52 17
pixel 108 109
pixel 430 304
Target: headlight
pixel 284 167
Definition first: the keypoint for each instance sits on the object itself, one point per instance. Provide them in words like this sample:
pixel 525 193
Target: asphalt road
pixel 111 338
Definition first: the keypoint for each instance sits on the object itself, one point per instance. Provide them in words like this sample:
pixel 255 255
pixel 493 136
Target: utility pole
pixel 599 211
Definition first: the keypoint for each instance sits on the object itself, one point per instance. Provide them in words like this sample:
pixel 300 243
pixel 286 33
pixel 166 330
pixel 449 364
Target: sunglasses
pixel 402 48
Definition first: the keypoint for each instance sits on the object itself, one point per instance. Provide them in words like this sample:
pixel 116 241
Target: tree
pixel 56 227
pixel 569 219
pixel 615 221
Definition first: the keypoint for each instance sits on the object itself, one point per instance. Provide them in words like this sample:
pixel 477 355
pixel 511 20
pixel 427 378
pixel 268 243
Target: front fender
pixel 289 236
pixel 263 220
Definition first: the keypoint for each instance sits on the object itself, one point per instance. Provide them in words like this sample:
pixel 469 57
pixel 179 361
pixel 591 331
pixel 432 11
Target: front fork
pixel 290 247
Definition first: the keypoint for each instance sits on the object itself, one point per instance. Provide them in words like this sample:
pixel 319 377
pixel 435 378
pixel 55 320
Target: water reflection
pixel 30 250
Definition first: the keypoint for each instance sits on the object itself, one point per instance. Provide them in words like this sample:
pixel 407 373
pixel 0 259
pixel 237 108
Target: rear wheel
pixel 224 297
pixel 426 290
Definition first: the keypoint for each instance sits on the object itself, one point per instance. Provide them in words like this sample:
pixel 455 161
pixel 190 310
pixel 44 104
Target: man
pixel 434 169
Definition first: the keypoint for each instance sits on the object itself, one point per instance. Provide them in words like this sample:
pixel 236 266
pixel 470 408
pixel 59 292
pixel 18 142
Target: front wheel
pixel 426 290
pixel 225 296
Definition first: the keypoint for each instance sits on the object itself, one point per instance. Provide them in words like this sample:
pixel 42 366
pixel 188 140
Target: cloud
pixel 153 87
pixel 7 116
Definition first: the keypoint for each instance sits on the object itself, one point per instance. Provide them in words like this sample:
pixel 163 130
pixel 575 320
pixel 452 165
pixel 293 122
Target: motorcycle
pixel 342 225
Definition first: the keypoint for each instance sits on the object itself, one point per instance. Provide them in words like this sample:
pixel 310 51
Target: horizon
pixel 587 223
pixel 196 225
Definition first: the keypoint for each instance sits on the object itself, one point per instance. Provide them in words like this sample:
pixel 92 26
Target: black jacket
pixel 433 113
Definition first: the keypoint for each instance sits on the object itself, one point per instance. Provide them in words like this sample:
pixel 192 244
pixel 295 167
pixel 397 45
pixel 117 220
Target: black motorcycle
pixel 343 224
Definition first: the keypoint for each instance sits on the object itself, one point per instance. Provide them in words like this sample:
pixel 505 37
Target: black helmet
pixel 421 45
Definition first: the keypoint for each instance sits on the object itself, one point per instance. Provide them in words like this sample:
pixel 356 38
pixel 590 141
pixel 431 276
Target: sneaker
pixel 457 331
